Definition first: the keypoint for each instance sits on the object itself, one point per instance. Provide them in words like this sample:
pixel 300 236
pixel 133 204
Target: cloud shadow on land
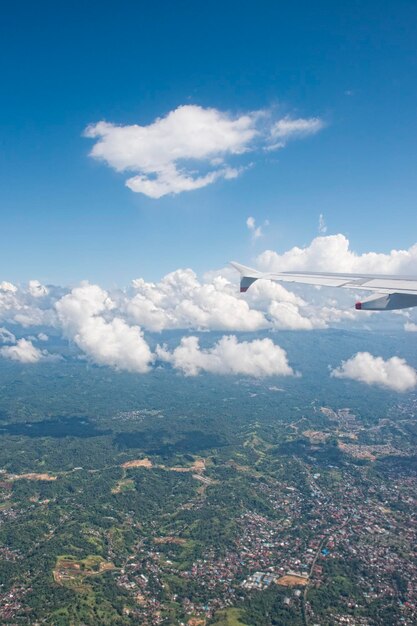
pixel 155 442
pixel 58 428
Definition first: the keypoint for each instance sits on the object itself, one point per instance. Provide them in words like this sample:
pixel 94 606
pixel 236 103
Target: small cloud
pixel 23 351
pixel 36 289
pixel 6 336
pixel 393 373
pixel 322 225
pixel 6 286
pixel 43 337
pixel 410 327
pixel 257 358
pixel 256 231
pixel 295 128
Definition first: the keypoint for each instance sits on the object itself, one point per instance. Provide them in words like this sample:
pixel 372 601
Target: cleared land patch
pixel 316 436
pixel 69 571
pixel 138 463
pixel 291 580
pixel 174 540
pixel 32 476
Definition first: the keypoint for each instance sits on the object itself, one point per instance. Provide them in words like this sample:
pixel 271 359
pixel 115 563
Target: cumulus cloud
pixel 23 351
pixel 26 306
pixel 187 149
pixel 180 300
pixel 333 254
pixel 258 358
pixel 393 373
pixel 287 316
pixel 5 287
pixel 108 326
pixel 36 289
pixel 106 342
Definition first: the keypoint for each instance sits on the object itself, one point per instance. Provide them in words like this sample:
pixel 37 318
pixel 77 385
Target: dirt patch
pixel 69 571
pixel 33 476
pixel 138 463
pixel 291 580
pixel 175 540
pixel 106 566
pixel 199 465
pixel 358 452
pixel 140 599
pixel 316 436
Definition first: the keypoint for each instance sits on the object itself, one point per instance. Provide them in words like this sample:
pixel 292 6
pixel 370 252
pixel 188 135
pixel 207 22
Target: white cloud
pixel 393 373
pixel 107 327
pixel 322 225
pixel 7 287
pixel 287 316
pixel 6 336
pixel 158 152
pixel 36 289
pixel 255 230
pixel 23 351
pixel 25 306
pixel 172 154
pixel 295 128
pixel 258 358
pixel 180 300
pixel 43 337
pixel 28 315
pixel 106 342
pixel 333 254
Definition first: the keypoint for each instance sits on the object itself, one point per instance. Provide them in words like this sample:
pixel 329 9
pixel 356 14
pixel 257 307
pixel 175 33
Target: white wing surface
pixel 395 292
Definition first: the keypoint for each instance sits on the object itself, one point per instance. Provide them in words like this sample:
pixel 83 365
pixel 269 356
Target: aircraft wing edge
pixel 393 292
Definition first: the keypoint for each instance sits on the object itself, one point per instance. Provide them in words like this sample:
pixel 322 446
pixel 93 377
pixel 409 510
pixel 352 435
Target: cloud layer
pixel 189 147
pixel 333 254
pixel 109 328
pixel 394 373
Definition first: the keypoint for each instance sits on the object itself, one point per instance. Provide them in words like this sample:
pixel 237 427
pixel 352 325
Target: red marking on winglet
pixel 243 289
pixel 358 306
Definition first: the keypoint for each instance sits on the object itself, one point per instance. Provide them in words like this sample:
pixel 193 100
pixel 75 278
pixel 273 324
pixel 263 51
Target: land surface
pixel 164 500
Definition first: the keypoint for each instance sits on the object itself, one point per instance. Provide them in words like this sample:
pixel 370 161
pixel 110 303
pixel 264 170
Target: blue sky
pixel 66 216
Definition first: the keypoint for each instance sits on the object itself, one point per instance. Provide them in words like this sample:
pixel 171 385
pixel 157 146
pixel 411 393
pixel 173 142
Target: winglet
pixel 247 275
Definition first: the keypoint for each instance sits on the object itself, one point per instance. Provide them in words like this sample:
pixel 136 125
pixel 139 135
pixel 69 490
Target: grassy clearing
pixel 229 617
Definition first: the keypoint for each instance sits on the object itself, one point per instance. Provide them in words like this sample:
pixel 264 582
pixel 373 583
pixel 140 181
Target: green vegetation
pixel 229 617
pixel 110 543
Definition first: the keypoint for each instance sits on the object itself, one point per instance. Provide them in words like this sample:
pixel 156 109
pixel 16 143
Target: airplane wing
pixel 394 292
